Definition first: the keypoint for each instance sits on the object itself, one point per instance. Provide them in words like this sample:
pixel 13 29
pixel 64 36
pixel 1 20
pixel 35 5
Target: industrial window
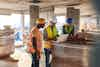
pixel 88 23
pixel 5 20
pixel 60 23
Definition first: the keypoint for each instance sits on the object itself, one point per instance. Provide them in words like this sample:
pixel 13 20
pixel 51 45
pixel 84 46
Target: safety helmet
pixel 53 22
pixel 41 21
pixel 69 20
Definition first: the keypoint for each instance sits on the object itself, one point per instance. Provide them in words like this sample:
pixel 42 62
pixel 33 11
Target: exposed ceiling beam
pixel 59 3
pixel 5 5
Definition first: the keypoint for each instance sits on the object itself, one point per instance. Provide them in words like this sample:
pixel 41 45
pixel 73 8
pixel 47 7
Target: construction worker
pixel 50 34
pixel 69 27
pixel 81 37
pixel 35 43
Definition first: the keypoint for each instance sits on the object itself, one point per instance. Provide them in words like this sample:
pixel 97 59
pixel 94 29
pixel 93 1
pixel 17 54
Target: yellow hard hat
pixel 41 21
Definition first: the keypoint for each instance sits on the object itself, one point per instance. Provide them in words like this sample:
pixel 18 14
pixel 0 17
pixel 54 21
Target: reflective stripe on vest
pixel 51 33
pixel 69 29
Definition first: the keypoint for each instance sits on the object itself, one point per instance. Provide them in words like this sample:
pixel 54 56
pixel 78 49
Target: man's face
pixel 52 24
pixel 69 24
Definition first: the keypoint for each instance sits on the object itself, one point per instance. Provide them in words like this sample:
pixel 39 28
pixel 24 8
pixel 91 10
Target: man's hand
pixel 31 50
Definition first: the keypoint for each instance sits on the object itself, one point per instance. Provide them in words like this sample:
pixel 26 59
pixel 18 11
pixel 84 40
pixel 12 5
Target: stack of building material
pixel 6 41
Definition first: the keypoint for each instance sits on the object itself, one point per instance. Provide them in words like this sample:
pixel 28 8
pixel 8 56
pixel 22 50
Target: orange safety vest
pixel 35 33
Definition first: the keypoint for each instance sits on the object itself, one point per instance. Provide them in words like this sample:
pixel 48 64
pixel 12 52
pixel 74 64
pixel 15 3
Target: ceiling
pixel 19 5
pixel 24 4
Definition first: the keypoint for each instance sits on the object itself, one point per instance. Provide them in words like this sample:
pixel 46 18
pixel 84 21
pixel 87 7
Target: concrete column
pixel 23 22
pixel 47 13
pixel 51 13
pixel 98 22
pixel 34 14
pixel 23 25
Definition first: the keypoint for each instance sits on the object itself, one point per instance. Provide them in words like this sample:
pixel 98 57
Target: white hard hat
pixel 52 22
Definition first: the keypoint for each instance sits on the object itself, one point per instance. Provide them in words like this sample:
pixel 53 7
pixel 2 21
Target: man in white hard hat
pixel 50 34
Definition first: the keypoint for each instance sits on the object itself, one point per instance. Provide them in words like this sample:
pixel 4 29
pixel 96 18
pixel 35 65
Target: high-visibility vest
pixel 35 33
pixel 51 33
pixel 69 29
pixel 47 44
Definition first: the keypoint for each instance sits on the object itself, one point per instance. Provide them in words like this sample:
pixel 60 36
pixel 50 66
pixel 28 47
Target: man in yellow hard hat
pixel 35 42
pixel 50 34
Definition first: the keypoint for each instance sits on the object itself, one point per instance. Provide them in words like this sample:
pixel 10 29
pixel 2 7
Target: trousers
pixel 47 57
pixel 35 60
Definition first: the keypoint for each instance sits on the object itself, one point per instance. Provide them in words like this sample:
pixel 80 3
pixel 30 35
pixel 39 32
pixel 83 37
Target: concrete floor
pixel 7 63
pixel 20 55
pixel 23 57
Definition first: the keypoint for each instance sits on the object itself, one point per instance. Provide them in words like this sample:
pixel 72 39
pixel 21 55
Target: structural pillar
pixel 98 22
pixel 23 22
pixel 23 25
pixel 47 13
pixel 51 13
pixel 34 15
